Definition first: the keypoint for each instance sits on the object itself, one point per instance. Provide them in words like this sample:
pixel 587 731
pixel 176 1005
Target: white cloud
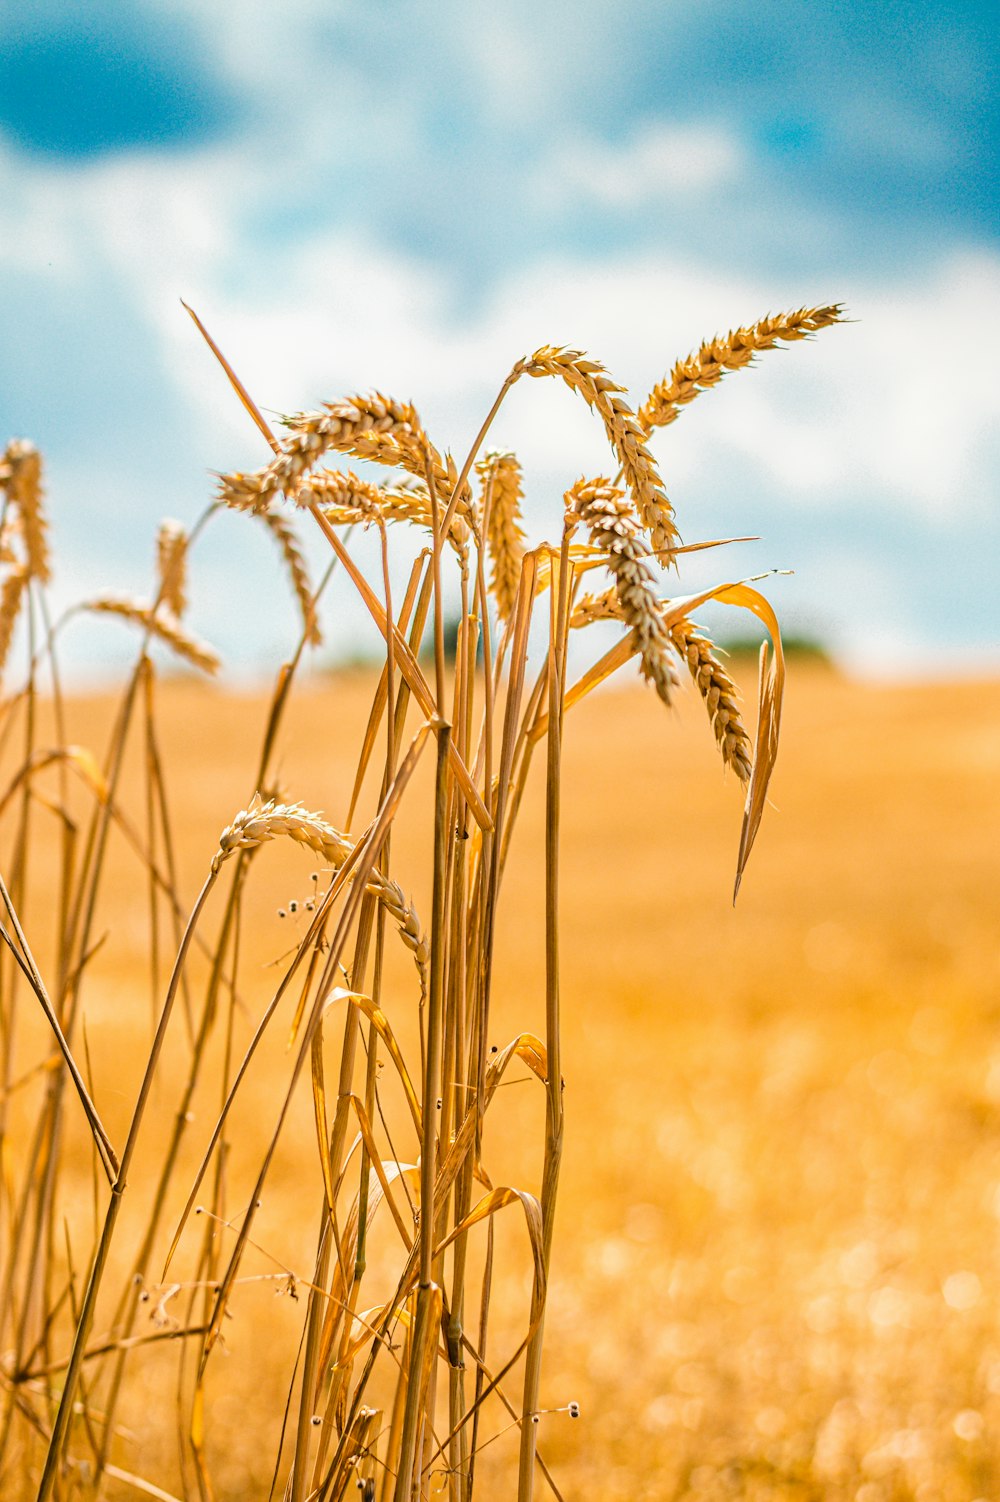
pixel 662 160
pixel 897 415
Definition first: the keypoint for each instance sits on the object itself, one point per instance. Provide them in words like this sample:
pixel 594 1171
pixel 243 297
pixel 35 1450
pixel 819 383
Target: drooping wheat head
pixel 11 596
pixel 281 529
pixel 615 531
pixel 161 625
pixel 351 426
pixel 599 391
pixel 269 820
pixel 720 694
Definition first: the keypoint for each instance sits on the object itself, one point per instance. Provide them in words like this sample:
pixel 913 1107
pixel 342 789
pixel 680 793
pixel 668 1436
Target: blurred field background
pixel 776 1264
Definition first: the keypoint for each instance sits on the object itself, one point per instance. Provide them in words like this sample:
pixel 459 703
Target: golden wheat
pixel 10 605
pixel 347 501
pixel 598 390
pixel 717 356
pixel 340 426
pixel 614 529
pixel 284 535
pixel 502 493
pixel 21 480
pixel 431 1183
pixel 159 624
pixel 269 820
pixel 720 694
pixel 171 565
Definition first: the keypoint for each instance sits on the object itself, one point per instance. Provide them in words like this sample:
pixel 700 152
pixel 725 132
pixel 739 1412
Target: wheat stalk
pixel 598 390
pixel 160 625
pixel 705 369
pixel 615 531
pixel 502 492
pixel 21 479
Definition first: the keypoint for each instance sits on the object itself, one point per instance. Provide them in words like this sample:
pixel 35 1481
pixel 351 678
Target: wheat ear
pixel 598 390
pixel 21 479
pixel 10 605
pixel 616 532
pixel 347 501
pixel 705 369
pixel 161 625
pixel 720 694
pixel 718 690
pixel 502 493
pixel 284 535
pixel 271 820
pixel 171 565
pixel 340 426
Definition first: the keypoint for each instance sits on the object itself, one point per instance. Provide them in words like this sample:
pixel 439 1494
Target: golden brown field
pixel 776 1258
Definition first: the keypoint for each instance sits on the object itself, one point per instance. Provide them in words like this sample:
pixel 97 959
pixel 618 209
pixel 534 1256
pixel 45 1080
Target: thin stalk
pixel 64 1413
pixel 559 619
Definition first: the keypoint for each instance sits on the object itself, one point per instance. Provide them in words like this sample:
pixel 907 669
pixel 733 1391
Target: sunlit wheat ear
pixel 284 535
pixel 21 479
pixel 413 451
pixel 705 369
pixel 614 529
pixel 590 608
pixel 262 822
pixel 10 605
pixel 347 501
pixel 340 426
pixel 716 687
pixel 720 694
pixel 160 625
pixel 171 565
pixel 503 491
pixel 598 390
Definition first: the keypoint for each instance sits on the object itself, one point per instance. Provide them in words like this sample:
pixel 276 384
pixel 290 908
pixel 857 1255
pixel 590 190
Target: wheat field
pixel 318 1004
pixel 775 1269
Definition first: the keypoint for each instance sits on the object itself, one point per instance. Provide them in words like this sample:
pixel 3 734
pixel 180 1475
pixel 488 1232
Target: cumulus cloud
pixel 659 161
pixel 384 238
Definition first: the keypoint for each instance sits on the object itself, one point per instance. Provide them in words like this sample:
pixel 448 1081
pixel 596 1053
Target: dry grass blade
pixel 734 351
pixel 241 391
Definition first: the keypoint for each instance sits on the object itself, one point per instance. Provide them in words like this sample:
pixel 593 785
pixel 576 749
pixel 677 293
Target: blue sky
pixel 412 196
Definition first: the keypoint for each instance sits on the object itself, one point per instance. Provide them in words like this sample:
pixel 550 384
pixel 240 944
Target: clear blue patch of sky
pixel 79 85
pixel 893 107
